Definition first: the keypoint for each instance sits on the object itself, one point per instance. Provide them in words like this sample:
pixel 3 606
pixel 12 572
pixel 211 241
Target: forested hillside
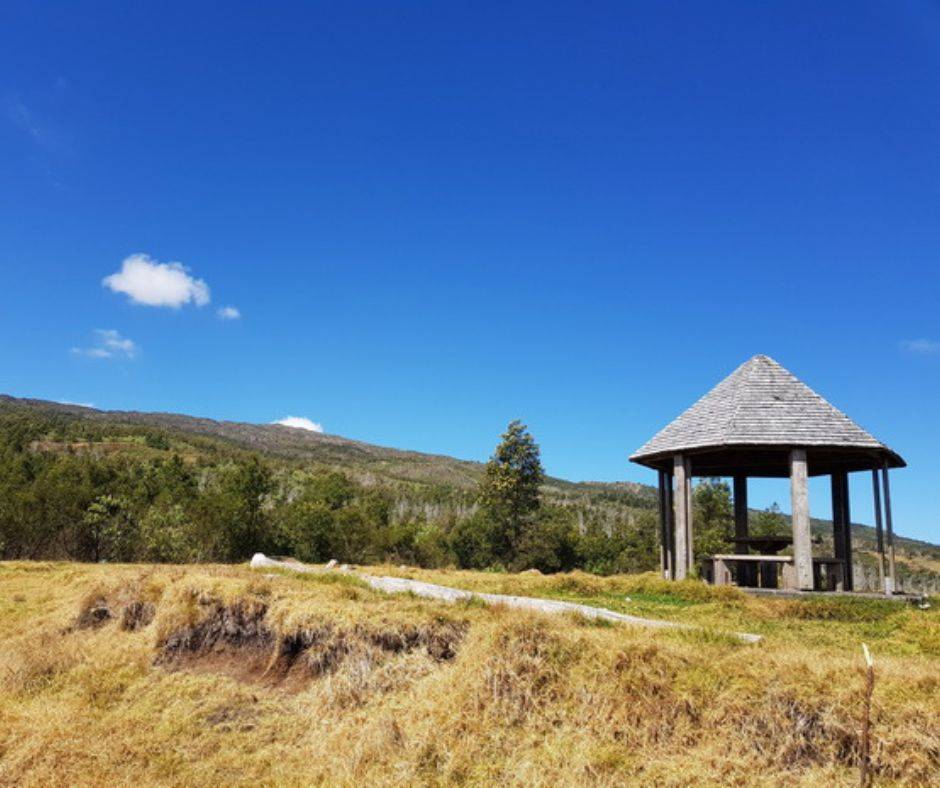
pixel 123 486
pixel 84 484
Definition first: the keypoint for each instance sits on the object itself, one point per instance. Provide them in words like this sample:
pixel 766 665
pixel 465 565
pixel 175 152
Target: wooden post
pixel 848 583
pixel 838 543
pixel 663 530
pixel 841 525
pixel 689 540
pixel 740 512
pixel 722 576
pixel 799 507
pixel 788 574
pixel 670 524
pixel 681 500
pixel 889 525
pixel 746 571
pixel 879 530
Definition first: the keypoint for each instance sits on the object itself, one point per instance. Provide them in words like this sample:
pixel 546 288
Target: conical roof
pixel 761 404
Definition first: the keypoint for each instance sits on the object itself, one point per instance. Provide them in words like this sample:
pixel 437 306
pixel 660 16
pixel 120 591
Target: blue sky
pixel 433 218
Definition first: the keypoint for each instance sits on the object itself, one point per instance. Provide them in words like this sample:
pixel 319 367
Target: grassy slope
pixel 526 699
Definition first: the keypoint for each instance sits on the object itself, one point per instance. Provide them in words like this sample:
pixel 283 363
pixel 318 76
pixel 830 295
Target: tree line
pixel 156 502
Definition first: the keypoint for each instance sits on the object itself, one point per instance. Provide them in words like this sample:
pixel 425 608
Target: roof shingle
pixel 759 404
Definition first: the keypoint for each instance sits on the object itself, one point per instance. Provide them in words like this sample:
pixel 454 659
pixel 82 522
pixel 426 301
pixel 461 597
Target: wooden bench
pixel 828 573
pixel 769 566
pixel 834 577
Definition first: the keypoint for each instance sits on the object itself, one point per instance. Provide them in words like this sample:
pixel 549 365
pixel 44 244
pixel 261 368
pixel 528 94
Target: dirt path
pixel 400 585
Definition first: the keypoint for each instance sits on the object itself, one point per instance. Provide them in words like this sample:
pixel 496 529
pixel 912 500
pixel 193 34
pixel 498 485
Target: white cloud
pixel 79 404
pixel 108 344
pixel 229 313
pixel 152 283
pixel 924 347
pixel 300 423
pixel 20 116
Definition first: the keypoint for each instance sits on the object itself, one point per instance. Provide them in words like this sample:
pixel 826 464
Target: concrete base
pixel 786 593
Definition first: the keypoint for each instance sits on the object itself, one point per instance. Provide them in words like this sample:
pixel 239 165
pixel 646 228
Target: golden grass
pixel 220 675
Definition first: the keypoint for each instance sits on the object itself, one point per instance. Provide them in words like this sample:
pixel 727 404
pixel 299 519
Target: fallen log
pixel 401 585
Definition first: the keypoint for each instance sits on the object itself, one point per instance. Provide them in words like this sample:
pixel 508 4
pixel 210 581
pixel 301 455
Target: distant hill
pixel 356 457
pixel 417 471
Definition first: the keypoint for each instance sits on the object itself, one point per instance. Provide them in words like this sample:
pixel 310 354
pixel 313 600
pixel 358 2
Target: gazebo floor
pixel 796 594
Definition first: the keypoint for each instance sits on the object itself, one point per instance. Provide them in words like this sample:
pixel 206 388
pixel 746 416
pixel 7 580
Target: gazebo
pixel 762 421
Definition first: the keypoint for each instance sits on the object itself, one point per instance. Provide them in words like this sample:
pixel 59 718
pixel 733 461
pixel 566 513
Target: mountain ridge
pixel 370 462
pixel 291 442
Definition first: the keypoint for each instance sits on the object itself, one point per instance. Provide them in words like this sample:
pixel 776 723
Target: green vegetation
pixel 510 494
pixel 712 517
pixel 768 522
pixel 85 485
pixel 516 529
pixel 73 487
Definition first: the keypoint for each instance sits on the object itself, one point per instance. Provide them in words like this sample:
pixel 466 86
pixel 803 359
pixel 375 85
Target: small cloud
pixel 300 423
pixel 78 404
pixel 152 283
pixel 108 344
pixel 923 347
pixel 229 313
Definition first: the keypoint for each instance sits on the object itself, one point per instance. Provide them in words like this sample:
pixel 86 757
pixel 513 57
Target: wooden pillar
pixel 799 508
pixel 889 525
pixel 841 525
pixel 848 583
pixel 740 512
pixel 689 540
pixel 838 544
pixel 681 500
pixel 663 529
pixel 879 529
pixel 746 570
pixel 670 523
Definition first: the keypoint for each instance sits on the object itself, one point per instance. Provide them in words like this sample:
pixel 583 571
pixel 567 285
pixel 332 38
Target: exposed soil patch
pixel 137 614
pixel 124 606
pixel 237 640
pixel 95 612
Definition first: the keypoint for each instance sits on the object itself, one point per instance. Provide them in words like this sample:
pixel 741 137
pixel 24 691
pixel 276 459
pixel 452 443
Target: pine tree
pixel 509 491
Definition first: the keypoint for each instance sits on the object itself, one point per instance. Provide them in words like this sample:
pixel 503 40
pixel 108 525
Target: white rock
pixel 261 561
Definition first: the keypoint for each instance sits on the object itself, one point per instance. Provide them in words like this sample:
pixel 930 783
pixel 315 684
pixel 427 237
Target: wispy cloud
pixel 152 283
pixel 108 344
pixel 922 347
pixel 21 117
pixel 300 423
pixel 229 313
pixel 79 404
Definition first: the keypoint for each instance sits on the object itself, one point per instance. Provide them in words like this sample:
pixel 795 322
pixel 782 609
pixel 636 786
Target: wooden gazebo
pixel 762 421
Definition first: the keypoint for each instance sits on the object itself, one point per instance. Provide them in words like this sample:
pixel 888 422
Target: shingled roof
pixel 762 404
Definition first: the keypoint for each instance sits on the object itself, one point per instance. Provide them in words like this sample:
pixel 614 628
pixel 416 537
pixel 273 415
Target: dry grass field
pixel 209 675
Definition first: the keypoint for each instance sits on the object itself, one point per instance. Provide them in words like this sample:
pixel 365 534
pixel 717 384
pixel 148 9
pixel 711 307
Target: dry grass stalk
pixel 302 681
pixel 866 718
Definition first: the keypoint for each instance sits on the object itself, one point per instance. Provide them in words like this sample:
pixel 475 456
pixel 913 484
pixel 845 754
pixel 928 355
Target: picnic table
pixel 762 573
pixel 769 544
